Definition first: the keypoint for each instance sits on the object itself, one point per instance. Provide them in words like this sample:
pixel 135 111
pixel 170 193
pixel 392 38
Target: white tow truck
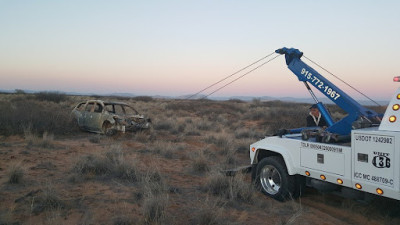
pixel 357 155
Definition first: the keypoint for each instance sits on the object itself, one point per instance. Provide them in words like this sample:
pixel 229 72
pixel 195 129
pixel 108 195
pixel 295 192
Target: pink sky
pixel 155 48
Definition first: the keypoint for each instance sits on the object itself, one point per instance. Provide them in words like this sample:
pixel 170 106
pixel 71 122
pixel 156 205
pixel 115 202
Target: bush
pixel 232 188
pixel 200 163
pixel 48 200
pixel 51 96
pixel 40 116
pixel 95 165
pixel 154 207
pixel 164 125
pixel 15 174
pixel 143 98
pixel 112 164
pixel 209 213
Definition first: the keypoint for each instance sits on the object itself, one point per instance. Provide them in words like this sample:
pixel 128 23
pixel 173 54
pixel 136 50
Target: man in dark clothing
pixel 315 119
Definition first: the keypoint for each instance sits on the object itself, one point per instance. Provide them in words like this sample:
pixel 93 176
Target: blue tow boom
pixel 307 75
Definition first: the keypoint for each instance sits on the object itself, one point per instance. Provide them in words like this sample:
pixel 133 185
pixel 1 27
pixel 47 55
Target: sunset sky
pixel 179 47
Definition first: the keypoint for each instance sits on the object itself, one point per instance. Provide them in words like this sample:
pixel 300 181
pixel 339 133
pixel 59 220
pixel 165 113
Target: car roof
pixel 108 102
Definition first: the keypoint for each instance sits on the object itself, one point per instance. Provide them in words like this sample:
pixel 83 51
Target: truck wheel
pixel 273 179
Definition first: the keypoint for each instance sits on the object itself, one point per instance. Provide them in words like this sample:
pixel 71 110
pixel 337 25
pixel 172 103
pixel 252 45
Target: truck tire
pixel 273 179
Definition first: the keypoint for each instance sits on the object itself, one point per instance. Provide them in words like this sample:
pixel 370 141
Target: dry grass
pixel 112 164
pixel 155 197
pixel 200 163
pixel 52 117
pixel 15 173
pixel 48 200
pixel 234 188
pixel 168 176
pixel 210 212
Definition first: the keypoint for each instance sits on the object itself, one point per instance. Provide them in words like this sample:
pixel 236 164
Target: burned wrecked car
pixel 109 117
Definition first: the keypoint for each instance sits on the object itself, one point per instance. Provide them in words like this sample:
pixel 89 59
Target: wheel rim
pixel 271 180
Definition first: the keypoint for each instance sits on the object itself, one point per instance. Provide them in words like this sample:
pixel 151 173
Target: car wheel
pixel 108 129
pixel 273 179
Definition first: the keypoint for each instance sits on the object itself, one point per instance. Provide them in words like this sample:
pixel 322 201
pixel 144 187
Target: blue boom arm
pixel 307 74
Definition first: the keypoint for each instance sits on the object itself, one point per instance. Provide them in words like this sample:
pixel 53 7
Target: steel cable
pixel 342 81
pixel 241 76
pixel 212 85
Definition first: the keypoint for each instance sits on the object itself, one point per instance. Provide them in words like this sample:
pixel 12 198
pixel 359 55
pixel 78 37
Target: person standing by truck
pixel 315 119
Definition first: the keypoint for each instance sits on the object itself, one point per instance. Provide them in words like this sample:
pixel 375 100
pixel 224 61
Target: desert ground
pixel 53 173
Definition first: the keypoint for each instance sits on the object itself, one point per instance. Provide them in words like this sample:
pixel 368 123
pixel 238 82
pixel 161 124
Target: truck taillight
pixel 392 119
pixel 396 79
pixel 396 107
pixel 379 191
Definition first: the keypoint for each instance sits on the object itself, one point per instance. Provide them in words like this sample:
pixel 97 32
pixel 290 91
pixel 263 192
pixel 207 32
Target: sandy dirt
pixel 95 199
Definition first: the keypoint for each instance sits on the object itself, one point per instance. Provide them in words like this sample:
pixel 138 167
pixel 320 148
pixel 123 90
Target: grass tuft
pixel 15 174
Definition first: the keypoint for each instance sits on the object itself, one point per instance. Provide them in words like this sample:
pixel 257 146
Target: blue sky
pixel 179 47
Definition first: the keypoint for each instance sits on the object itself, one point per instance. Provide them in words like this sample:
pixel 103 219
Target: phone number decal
pixel 318 83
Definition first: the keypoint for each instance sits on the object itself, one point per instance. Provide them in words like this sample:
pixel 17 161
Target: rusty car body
pixel 108 117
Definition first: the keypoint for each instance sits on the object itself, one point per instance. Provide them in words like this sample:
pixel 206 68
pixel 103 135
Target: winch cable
pixel 342 81
pixel 223 79
pixel 241 76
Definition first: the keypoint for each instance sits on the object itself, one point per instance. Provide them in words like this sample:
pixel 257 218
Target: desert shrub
pixel 204 125
pixel 217 184
pixel 209 213
pixel 164 125
pixel 142 137
pixel 192 130
pixel 123 220
pixel 200 163
pixel 257 113
pixel 15 173
pixel 19 91
pixel 110 165
pixel 223 142
pixel 40 116
pixel 120 167
pixel 143 98
pixel 242 146
pixel 91 164
pixel 205 107
pixel 155 197
pixel 256 102
pixel 153 208
pixel 153 182
pixel 236 100
pixel 233 188
pixel 230 156
pixel 247 133
pixel 47 140
pixel 48 200
pixel 51 96
pixel 166 149
pixel 126 171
